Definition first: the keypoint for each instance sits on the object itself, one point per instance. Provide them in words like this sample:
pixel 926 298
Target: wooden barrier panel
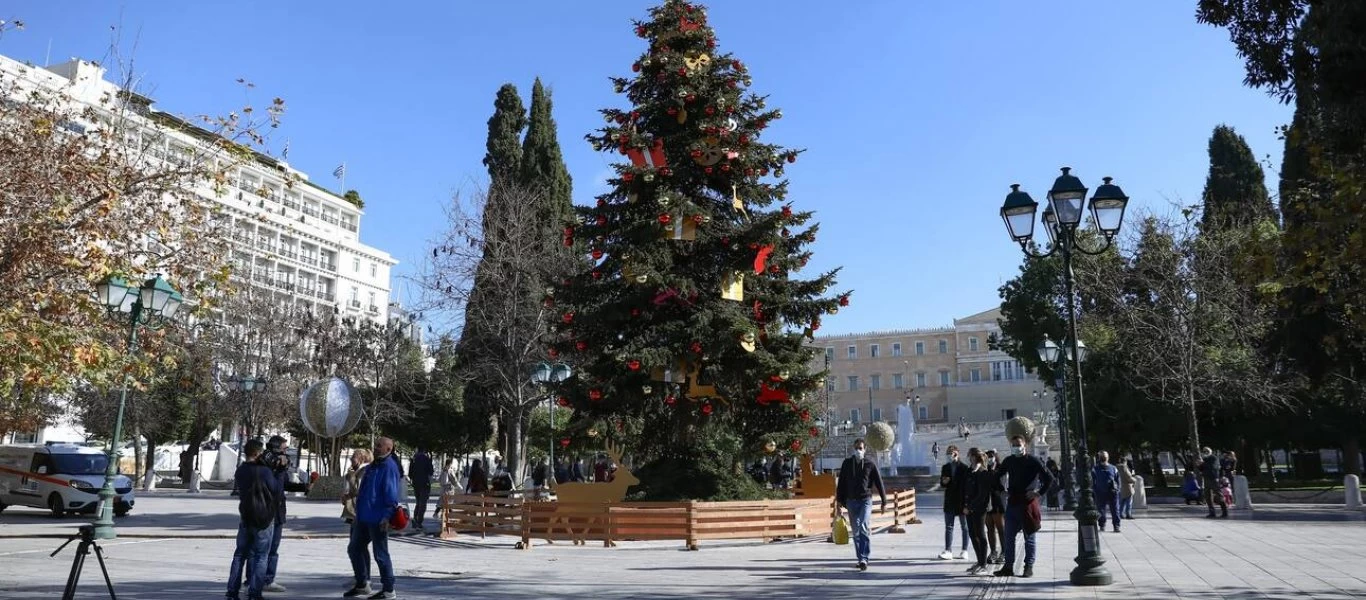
pixel 480 514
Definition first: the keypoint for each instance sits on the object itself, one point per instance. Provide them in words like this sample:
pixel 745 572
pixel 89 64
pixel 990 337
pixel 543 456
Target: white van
pixel 63 478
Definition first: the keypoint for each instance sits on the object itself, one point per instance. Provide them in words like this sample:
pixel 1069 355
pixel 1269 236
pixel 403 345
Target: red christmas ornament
pixel 564 442
pixel 665 218
pixel 568 317
pixel 806 415
pixel 706 409
pixel 635 312
pixel 815 431
pixel 744 139
pixel 682 71
pixel 597 274
pixel 621 119
pixel 773 268
pixel 711 43
pixel 568 242
pixel 815 324
pixel 690 98
pixel 761 124
pixel 635 67
pixel 725 240
pixel 601 203
pixel 597 254
pixel 602 220
pixel 732 84
pixel 725 168
pixel 672 111
pixel 554 353
pixel 708 170
pixel 635 116
pixel 697 347
pixel 796 445
pixel 844 300
pixel 698 219
pixel 595 394
pixel 670 400
pixel 634 365
pixel 739 66
pixel 665 171
pixel 775 378
pixel 562 401
pixel 763 172
pixel 696 153
pixel 710 110
pixel 787 212
pixel 792 158
pixel 640 30
pixel 549 302
pixel 627 176
pixel 749 172
pixel 580 346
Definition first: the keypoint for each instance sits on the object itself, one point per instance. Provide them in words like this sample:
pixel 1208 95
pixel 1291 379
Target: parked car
pixel 62 478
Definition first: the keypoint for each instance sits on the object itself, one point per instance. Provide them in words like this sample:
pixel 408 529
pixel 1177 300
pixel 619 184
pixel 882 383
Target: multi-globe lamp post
pixel 152 306
pixel 546 374
pixel 248 385
pixel 1062 222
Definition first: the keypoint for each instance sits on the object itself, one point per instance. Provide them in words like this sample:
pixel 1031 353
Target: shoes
pixel 946 555
pixel 1028 572
pixel 383 596
pixel 1116 529
pixel 977 569
pixel 962 555
pixel 862 566
pixel 997 559
pixel 1004 572
pixel 1209 516
pixel 274 587
pixel 363 590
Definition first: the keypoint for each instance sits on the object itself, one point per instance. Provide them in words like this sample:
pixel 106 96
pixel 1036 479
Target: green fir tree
pixel 543 167
pixel 503 156
pixel 668 358
pixel 1235 190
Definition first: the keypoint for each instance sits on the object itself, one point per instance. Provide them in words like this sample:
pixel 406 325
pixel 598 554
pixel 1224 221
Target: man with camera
pixel 258 507
pixel 275 459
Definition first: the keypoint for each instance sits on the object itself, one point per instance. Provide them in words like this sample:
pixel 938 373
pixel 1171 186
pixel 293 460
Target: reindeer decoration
pixel 815 485
pixel 582 493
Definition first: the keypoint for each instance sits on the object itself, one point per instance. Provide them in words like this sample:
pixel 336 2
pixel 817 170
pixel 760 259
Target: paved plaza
pixel 178 546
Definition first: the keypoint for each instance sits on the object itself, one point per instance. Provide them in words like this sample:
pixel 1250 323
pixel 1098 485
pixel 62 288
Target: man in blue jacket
pixel 376 501
pixel 258 497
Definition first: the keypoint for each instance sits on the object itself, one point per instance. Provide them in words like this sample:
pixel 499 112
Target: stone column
pixel 1242 494
pixel 1352 485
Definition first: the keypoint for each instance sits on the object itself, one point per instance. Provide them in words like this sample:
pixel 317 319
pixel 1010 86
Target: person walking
pixel 479 481
pixel 258 490
pixel 853 491
pixel 978 488
pixel 376 502
pixel 420 473
pixel 1127 483
pixel 1025 475
pixel 450 484
pixel 996 515
pixel 951 478
pixel 1054 491
pixel 577 473
pixel 1105 487
pixel 1209 468
pixel 934 449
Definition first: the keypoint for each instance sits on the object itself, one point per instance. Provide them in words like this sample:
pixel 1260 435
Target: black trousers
pixel 978 534
pixel 421 493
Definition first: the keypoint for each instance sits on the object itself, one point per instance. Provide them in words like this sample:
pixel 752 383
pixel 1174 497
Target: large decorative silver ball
pixel 330 408
pixel 880 437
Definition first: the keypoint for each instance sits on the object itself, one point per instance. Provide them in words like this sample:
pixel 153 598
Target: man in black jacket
pixel 951 478
pixel 276 458
pixel 1026 476
pixel 853 491
pixel 258 496
pixel 420 474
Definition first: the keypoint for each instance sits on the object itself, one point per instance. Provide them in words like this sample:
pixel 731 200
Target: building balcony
pixel 328 266
pixel 350 226
pixel 324 295
pixel 312 212
pixel 290 254
pixel 292 205
pixel 374 309
pixel 309 260
pixel 354 304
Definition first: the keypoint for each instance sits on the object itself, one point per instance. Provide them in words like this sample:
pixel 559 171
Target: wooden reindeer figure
pixel 575 495
pixel 814 485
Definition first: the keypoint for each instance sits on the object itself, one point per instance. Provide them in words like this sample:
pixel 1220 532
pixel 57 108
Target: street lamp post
pixel 150 306
pixel 544 374
pixel 1061 221
pixel 1049 353
pixel 248 386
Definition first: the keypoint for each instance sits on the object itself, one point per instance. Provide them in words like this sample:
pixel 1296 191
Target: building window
pixel 1009 367
pixel 972 344
pixel 875 382
pixel 372 301
pixel 944 378
pixel 830 385
pixel 943 346
pixel 945 411
pixel 975 375
pixel 853 415
pixel 920 348
pixel 896 349
pixel 24 438
pixel 853 383
pixel 920 380
pixel 877 414
pixel 873 351
pixel 829 353
pixel 898 382
pixel 1007 414
pixel 355 265
pixel 374 270
pixel 853 352
pixel 924 412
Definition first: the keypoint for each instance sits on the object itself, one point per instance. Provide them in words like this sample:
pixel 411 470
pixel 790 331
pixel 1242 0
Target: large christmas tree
pixel 686 332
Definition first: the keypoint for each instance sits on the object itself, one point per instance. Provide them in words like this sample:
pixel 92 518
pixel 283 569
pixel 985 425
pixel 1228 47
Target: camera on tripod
pixel 86 535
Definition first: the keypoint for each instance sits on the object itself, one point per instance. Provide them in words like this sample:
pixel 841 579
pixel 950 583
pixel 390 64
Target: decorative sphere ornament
pixel 592 433
pixel 880 437
pixel 330 408
pixel 770 446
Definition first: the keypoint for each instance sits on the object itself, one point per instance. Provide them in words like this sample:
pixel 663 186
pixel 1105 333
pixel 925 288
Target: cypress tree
pixel 542 165
pixel 504 150
pixel 1235 190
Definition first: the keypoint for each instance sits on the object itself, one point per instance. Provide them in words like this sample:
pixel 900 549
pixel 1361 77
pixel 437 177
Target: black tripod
pixel 87 537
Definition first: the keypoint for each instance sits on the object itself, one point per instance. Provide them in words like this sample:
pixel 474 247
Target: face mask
pixel 1017 450
pixel 991 463
pixel 858 453
pixel 953 458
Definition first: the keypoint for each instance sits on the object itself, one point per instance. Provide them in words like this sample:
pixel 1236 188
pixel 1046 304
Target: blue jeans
pixel 1108 502
pixel 949 518
pixel 252 547
pixel 1126 507
pixel 1014 525
pixel 860 512
pixel 364 535
pixel 274 560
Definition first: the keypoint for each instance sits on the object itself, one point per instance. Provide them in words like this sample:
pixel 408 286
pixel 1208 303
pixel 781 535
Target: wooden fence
pixel 690 522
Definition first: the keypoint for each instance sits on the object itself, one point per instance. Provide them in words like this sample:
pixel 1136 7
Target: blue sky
pixel 916 115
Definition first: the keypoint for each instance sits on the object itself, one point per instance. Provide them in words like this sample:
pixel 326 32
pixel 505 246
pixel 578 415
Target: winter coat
pixel 378 495
pixel 1126 481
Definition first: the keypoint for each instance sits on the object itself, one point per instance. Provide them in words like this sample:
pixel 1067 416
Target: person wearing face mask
pixel 1209 468
pixel 858 477
pixel 951 479
pixel 996 517
pixel 978 489
pixel 1026 476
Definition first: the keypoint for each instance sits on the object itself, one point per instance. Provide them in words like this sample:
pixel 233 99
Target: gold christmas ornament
pixel 682 116
pixel 592 433
pixel 747 341
pixel 784 374
pixel 701 61
pixel 642 279
pixel 645 389
pixel 733 286
pixel 770 446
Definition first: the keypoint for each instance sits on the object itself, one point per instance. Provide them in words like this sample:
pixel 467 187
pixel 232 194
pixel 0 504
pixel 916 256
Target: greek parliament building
pixel 945 374
pixel 299 245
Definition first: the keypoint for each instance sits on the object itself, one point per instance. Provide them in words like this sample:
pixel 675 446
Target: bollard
pixel 1352 485
pixel 1242 494
pixel 193 487
pixel 1140 493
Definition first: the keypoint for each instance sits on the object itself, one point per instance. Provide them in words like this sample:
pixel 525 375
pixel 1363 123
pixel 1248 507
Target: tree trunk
pixel 1351 456
pixel 1188 390
pixel 1250 461
pixel 149 481
pixel 514 444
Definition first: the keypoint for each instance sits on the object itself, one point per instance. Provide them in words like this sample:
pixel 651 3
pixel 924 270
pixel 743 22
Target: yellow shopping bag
pixel 841 531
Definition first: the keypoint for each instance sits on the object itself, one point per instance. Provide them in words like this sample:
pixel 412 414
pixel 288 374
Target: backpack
pixel 259 508
pixel 1105 478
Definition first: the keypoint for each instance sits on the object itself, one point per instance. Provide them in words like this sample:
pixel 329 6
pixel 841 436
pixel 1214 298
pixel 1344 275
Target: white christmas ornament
pixel 330 408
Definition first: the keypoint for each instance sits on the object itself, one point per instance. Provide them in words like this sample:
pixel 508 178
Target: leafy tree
pixel 1235 189
pixel 692 377
pixel 353 197
pixel 503 157
pixel 542 165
